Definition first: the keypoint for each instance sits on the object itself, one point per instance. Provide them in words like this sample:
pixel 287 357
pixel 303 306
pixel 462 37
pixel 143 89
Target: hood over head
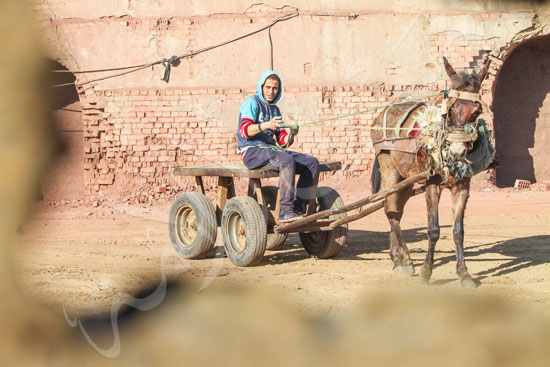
pixel 261 82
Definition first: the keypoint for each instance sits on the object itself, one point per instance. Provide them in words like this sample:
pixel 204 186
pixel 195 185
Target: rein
pixel 454 135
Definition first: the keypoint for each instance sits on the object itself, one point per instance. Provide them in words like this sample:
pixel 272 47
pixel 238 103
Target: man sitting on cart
pixel 262 141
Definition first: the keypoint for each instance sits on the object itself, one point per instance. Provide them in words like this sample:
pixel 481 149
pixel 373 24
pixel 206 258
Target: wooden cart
pixel 249 223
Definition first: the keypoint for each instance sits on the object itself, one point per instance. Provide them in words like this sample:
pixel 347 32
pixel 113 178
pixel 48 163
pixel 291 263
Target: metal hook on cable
pixel 174 60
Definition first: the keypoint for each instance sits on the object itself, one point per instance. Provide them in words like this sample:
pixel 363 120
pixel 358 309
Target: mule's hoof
pixel 468 283
pixel 404 270
pixel 424 280
pixel 425 275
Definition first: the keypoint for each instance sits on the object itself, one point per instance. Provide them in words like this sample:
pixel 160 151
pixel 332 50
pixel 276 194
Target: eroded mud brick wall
pixel 335 57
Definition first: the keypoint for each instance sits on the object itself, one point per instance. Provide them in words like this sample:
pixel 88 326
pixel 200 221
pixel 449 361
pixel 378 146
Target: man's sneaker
pixel 288 217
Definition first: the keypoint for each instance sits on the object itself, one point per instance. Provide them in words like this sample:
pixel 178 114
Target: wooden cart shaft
pixel 377 198
pixel 311 222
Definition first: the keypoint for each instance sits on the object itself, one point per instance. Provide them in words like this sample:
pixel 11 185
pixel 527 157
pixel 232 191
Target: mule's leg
pixel 399 253
pixel 433 193
pixel 460 193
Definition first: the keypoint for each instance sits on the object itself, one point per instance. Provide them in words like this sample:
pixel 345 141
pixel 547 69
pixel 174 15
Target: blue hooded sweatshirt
pixel 255 110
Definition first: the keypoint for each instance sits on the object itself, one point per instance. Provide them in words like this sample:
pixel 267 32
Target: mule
pixel 396 160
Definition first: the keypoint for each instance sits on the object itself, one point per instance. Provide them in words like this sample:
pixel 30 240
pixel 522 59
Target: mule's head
pixel 465 110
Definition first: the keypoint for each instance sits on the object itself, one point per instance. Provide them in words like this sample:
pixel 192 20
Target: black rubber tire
pixel 326 244
pixel 192 225
pixel 274 240
pixel 244 231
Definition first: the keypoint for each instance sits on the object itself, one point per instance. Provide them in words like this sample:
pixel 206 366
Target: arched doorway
pixel 522 113
pixel 65 179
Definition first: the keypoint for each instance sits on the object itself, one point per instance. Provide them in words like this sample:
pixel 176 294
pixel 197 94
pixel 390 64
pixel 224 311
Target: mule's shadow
pixel 358 243
pixel 514 254
pixel 518 253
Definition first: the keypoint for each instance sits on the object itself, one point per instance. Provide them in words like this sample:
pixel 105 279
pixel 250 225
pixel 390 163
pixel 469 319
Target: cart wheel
pixel 326 244
pixel 274 240
pixel 192 225
pixel 244 231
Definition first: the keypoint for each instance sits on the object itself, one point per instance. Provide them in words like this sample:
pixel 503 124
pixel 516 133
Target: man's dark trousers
pixel 288 163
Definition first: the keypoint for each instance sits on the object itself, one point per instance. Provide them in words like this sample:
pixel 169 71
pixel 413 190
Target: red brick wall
pixel 133 138
pixel 155 130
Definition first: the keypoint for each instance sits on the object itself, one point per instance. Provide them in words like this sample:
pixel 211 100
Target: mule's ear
pixel 482 73
pixel 448 68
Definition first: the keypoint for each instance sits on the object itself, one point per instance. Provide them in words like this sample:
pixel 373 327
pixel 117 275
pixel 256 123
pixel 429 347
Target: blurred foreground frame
pixel 243 327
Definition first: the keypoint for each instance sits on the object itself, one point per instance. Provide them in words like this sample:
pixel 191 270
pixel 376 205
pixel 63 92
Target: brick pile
pixel 133 138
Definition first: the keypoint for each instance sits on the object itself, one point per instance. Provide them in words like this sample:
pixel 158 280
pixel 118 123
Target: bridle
pixel 441 136
pixel 468 132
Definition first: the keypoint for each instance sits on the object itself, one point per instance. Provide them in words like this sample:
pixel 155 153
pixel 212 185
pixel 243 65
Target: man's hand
pixel 273 124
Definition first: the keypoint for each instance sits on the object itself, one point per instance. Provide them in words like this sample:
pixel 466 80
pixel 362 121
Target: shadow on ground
pixel 513 254
pixel 359 243
pixel 519 253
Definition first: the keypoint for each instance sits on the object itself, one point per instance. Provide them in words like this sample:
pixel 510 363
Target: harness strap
pixel 401 121
pixel 474 97
pixel 385 123
pixel 407 145
pixel 406 116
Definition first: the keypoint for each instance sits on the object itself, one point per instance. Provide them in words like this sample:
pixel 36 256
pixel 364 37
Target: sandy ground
pixel 86 258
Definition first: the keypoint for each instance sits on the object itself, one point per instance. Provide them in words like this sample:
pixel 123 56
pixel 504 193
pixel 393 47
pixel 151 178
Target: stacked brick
pixel 133 138
pixel 467 52
pixel 138 136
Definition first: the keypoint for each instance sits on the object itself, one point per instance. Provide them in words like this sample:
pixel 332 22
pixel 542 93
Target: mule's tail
pixel 375 177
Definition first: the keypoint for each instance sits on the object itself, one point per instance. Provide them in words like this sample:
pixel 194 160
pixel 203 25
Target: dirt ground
pixel 86 258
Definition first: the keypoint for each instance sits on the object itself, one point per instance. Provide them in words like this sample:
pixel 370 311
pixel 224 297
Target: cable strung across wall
pixel 174 59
